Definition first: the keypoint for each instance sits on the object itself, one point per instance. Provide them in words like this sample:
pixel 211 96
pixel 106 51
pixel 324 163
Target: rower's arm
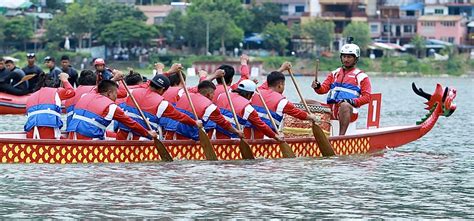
pixel 171 112
pixel 217 117
pixel 260 125
pixel 326 85
pixel 121 117
pixel 291 110
pixel 121 92
pixel 66 92
pixel 244 75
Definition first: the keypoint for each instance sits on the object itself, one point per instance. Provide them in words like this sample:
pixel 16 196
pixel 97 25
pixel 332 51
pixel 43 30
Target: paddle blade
pixel 322 141
pixel 286 150
pixel 25 78
pixel 207 145
pixel 245 150
pixel 164 154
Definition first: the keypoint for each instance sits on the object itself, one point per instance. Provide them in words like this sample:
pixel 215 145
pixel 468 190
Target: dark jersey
pixel 73 76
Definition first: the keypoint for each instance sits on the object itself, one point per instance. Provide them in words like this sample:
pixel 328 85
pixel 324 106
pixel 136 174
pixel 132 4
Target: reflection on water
pixel 429 178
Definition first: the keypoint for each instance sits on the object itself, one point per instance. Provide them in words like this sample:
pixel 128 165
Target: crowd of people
pixel 98 98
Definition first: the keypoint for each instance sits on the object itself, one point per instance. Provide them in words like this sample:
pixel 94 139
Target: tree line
pixel 205 25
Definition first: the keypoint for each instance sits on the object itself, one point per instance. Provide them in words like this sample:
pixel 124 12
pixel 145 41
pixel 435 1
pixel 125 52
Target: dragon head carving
pixel 441 97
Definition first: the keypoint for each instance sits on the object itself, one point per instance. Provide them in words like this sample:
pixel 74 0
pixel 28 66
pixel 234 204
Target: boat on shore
pixel 15 148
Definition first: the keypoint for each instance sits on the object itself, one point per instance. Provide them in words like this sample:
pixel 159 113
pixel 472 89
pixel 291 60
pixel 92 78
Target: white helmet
pixel 350 49
pixel 247 85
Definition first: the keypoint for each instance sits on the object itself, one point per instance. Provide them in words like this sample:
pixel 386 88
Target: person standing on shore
pixel 348 88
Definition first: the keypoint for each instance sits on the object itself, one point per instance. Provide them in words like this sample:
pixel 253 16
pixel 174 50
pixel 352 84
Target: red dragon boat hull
pixel 15 148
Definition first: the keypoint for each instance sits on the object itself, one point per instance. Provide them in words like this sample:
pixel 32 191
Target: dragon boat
pixel 15 148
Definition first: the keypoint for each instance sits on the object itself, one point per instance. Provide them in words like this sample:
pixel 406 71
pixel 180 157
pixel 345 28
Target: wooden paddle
pixel 25 78
pixel 317 70
pixel 321 139
pixel 203 138
pixel 245 149
pixel 286 150
pixel 164 154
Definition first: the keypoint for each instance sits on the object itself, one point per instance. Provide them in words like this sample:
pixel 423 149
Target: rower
pixel 86 85
pixel 229 75
pixel 154 107
pixel 176 90
pixel 101 71
pixel 94 112
pixel 276 102
pixel 207 112
pixel 246 114
pixel 43 108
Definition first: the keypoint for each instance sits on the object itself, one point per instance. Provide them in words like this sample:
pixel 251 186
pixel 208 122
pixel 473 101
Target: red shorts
pixel 335 112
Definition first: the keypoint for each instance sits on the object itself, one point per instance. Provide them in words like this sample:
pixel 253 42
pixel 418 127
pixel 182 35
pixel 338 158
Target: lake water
pixel 429 178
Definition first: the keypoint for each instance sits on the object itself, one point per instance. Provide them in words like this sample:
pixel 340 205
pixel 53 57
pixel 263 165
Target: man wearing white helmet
pixel 348 87
pixel 246 114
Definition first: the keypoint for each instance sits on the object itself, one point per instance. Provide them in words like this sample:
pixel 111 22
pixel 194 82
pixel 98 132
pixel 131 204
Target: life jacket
pixel 103 75
pixel 43 109
pixel 173 94
pixel 118 101
pixel 242 109
pixel 345 85
pixel 204 107
pixel 89 118
pixel 152 104
pixel 71 102
pixel 275 101
pixel 219 92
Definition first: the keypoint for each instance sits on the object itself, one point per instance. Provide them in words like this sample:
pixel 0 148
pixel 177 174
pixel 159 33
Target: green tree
pixel 18 29
pixel 320 31
pixel 80 20
pixel 172 27
pixel 194 29
pixel 241 17
pixel 360 32
pixel 3 22
pixel 264 14
pixel 54 4
pixel 276 37
pixel 224 30
pixel 108 12
pixel 418 43
pixel 56 28
pixel 128 31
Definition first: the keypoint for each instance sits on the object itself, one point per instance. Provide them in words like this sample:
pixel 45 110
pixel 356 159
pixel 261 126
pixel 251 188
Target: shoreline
pixel 323 74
